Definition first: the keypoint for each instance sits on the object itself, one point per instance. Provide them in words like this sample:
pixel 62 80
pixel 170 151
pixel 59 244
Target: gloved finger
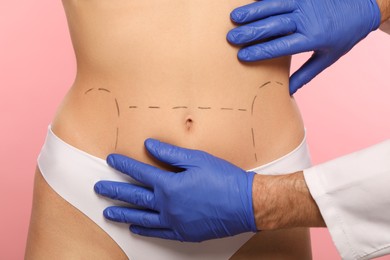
pixel 126 192
pixel 314 66
pixel 170 154
pixel 139 171
pixel 260 10
pixel 159 233
pixel 145 218
pixel 286 45
pixel 269 27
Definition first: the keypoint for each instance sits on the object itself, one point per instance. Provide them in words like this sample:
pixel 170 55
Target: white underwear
pixel 73 173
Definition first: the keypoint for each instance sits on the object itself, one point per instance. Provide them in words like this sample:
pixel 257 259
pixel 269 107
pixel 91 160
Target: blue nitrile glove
pixel 330 28
pixel 210 198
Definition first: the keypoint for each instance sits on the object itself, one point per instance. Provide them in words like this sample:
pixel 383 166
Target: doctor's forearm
pixel 384 6
pixel 284 201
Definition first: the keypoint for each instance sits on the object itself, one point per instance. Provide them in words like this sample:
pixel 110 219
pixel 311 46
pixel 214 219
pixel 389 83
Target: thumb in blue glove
pixel 210 198
pixel 329 28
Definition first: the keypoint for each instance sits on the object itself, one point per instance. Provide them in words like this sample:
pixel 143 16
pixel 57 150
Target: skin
pixel 384 6
pixel 281 202
pixel 174 54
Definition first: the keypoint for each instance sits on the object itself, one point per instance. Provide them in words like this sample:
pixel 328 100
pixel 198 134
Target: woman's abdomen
pixel 249 126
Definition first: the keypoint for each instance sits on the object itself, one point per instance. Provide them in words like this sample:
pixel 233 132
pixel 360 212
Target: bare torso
pixel 164 69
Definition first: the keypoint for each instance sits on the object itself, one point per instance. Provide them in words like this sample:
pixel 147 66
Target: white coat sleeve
pixel 353 195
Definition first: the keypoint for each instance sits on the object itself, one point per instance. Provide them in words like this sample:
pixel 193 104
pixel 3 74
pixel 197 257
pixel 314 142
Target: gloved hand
pixel 210 198
pixel 330 28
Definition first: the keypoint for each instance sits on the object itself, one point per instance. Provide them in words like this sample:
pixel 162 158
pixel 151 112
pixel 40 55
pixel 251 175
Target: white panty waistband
pixel 296 160
pixel 73 173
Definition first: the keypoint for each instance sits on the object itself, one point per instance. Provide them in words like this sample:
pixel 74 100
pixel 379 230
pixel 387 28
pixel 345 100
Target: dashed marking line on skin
pixel 252 111
pixel 117 137
pixel 186 107
pixel 253 104
pixel 117 107
pixel 265 84
pixel 254 144
pixel 89 90
pixel 117 128
pixel 253 135
pixel 104 89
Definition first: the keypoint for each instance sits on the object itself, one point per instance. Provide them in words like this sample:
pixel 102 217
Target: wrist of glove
pixel 329 28
pixel 208 198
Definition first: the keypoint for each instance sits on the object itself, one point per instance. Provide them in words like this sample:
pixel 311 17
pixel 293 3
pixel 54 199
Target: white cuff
pixel 353 195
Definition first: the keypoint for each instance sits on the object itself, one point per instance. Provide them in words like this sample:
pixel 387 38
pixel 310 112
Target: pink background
pixel 345 109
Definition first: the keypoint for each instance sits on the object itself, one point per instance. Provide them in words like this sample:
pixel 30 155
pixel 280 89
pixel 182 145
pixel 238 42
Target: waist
pixel 249 126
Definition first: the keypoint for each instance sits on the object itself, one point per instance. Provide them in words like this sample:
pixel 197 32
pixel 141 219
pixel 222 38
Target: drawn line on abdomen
pixel 265 84
pixel 117 108
pixel 253 132
pixel 252 113
pixel 253 104
pixel 117 111
pixel 117 138
pixel 254 143
pixel 104 89
pixel 89 90
pixel 186 107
